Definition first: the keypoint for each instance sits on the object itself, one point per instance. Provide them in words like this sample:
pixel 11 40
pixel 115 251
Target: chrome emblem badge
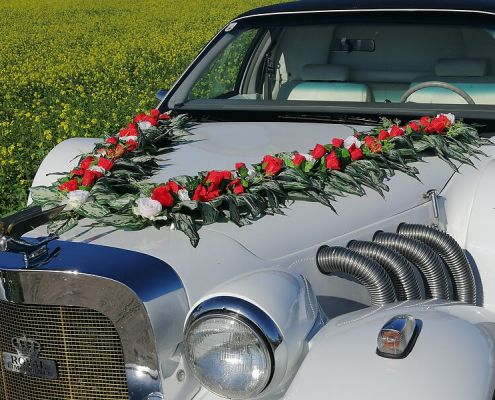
pixel 27 361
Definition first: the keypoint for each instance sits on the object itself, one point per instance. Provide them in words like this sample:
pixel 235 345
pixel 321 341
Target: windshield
pixel 348 61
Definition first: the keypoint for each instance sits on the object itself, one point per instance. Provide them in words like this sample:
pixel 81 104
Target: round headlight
pixel 228 355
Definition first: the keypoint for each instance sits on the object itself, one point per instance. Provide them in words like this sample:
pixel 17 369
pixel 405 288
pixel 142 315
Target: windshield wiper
pixel 338 119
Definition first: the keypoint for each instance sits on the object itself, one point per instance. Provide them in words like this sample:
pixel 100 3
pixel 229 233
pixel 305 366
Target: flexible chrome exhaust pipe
pixel 400 270
pixel 452 255
pixel 366 271
pixel 421 255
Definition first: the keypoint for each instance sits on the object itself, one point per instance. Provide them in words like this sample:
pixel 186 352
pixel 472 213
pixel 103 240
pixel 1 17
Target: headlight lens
pixel 228 355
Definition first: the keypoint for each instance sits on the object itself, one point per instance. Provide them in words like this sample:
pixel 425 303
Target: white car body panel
pixel 229 250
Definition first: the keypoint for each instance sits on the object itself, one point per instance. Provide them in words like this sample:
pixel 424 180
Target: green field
pixel 84 67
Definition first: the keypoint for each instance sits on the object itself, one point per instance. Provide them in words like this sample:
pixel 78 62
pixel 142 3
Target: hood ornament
pixel 35 251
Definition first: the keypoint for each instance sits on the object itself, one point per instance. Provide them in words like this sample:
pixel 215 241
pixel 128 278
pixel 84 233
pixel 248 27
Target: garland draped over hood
pixel 109 186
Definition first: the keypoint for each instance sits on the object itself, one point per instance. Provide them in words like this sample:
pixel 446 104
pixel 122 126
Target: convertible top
pixel 324 5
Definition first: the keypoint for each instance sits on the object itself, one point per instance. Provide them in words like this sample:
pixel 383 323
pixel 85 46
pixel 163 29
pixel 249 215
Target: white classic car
pixel 362 268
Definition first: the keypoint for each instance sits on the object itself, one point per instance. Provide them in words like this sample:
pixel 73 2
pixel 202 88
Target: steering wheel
pixel 439 84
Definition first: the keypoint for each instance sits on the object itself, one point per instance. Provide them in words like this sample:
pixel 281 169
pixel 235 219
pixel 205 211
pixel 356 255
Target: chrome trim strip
pixel 140 294
pixel 240 308
pixel 365 10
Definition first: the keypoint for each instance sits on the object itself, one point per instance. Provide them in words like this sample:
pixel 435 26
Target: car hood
pixel 221 145
pixel 226 250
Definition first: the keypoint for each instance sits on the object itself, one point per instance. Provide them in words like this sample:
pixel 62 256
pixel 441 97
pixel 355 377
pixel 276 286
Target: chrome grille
pixel 83 342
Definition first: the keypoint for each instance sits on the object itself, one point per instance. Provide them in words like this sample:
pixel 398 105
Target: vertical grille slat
pixel 83 342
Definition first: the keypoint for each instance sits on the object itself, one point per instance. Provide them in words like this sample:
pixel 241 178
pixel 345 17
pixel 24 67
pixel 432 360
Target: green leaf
pixel 93 210
pixel 60 226
pixel 293 175
pixel 189 204
pixel 255 203
pixel 209 214
pixel 185 223
pixel 122 221
pixel 124 201
pixel 44 195
pixel 233 210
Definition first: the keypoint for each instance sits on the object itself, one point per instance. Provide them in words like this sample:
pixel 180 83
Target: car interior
pixel 351 62
pixel 381 62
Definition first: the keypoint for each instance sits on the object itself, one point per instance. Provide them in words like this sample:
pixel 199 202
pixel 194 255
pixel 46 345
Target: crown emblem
pixel 26 347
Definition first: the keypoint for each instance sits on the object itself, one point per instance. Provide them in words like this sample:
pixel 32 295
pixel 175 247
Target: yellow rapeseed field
pixel 85 67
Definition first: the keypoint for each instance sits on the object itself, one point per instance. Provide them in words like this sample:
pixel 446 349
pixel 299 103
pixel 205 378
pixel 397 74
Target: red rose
pixel 69 186
pixel 438 125
pixel 332 162
pixel 383 135
pixel 236 186
pixel 77 172
pixel 376 147
pixel 203 194
pixel 139 117
pixel 212 194
pixel 131 145
pixel 155 113
pixel 133 131
pixel 272 165
pixel 215 178
pixel 105 163
pixel 119 150
pixel 89 178
pixel 111 140
pixel 396 131
pixel 199 193
pixel 298 159
pixel 86 163
pixel 357 154
pixel 238 189
pixel 125 132
pixel 319 151
pixel 145 118
pixel 369 141
pixel 164 116
pixel 162 194
pixel 414 126
pixel 337 142
pixel 172 186
pixel 239 165
pixel 424 121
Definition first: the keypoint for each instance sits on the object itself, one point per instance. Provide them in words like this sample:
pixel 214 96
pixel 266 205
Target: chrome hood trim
pixel 140 294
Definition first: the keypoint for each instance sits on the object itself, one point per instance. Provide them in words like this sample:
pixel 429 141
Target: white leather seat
pixel 470 75
pixel 323 82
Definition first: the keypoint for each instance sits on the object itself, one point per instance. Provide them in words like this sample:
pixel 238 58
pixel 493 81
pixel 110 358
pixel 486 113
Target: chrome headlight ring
pixel 250 338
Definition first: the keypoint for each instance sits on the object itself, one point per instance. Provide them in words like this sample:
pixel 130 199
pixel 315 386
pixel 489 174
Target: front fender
pixel 452 358
pixel 62 158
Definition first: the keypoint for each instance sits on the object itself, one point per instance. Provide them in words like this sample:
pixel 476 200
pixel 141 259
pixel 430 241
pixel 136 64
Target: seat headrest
pixel 325 72
pixel 462 67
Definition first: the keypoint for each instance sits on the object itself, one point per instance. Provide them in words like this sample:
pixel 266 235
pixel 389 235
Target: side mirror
pixel 160 95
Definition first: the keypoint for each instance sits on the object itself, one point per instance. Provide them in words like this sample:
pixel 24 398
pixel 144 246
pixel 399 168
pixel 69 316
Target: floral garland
pixel 108 187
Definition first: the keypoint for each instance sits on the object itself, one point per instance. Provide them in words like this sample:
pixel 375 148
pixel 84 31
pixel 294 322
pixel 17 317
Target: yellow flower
pixel 48 134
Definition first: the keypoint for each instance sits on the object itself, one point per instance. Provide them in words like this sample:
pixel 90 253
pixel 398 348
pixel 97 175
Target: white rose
pixel 251 173
pixel 183 195
pixel 143 125
pixel 127 138
pixel 449 116
pixel 308 157
pixel 96 168
pixel 352 140
pixel 147 208
pixel 77 198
